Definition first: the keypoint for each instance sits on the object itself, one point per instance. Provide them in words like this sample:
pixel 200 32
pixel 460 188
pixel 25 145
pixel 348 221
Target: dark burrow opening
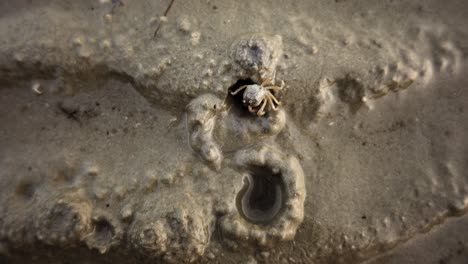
pixel 262 197
pixel 351 91
pixel 64 217
pixel 234 102
pixel 104 230
pixel 26 189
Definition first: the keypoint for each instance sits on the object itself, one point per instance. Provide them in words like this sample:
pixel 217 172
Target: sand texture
pixel 136 131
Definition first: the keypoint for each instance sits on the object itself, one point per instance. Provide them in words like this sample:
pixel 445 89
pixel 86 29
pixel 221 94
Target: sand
pixel 120 140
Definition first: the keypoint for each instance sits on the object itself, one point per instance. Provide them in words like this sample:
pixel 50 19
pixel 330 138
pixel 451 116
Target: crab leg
pixel 274 99
pixel 258 103
pixel 272 105
pixel 238 90
pixel 265 82
pixel 273 88
pixel 251 110
pixel 260 111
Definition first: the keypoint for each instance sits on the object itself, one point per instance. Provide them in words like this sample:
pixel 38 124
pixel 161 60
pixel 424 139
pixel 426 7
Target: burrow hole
pixel 262 197
pixel 64 218
pixel 235 101
pixel 26 189
pixel 104 230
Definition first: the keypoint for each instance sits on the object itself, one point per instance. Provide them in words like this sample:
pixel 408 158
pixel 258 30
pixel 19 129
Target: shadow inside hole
pixel 351 91
pixel 26 189
pixel 234 102
pixel 64 217
pixel 104 231
pixel 262 197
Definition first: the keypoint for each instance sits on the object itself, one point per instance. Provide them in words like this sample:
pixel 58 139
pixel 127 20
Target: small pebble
pixel 195 38
pixel 184 25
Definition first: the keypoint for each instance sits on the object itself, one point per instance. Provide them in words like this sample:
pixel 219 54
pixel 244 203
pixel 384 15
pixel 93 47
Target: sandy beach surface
pixel 121 140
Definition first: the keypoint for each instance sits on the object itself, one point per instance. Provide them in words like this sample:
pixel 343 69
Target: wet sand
pixel 121 141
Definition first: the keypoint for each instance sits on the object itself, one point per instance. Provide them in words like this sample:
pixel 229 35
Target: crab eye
pixel 243 101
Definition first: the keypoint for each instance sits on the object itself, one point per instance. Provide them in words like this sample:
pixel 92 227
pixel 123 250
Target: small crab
pixel 256 97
